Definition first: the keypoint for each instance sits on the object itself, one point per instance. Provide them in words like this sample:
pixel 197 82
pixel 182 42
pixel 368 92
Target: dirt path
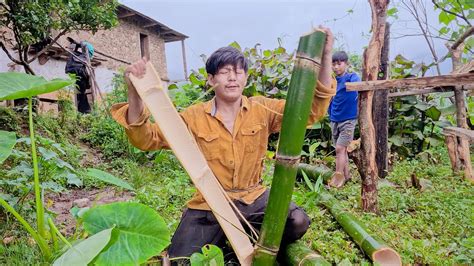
pixel 61 203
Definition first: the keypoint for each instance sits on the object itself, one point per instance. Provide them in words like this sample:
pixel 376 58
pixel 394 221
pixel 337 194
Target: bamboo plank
pixel 436 81
pixel 187 151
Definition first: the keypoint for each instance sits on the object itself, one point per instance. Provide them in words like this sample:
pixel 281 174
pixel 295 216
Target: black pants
pixel 82 82
pixel 198 228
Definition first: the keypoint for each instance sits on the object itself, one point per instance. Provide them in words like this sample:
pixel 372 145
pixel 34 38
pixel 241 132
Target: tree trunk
pixel 380 111
pixel 375 249
pixel 367 166
pixel 297 254
pixel 295 117
pixel 461 118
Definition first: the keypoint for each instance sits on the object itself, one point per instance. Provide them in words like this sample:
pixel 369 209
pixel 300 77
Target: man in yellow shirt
pixel 232 132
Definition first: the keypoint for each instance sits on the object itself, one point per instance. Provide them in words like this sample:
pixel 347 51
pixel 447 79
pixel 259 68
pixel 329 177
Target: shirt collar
pixel 210 106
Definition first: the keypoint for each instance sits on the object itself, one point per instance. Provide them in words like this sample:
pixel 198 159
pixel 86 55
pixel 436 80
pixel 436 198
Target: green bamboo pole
pixel 38 198
pixel 315 171
pixel 295 117
pixel 297 254
pixel 376 249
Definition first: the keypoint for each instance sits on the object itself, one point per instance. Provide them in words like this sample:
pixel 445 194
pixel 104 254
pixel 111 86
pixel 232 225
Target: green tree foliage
pixel 456 18
pixel 38 23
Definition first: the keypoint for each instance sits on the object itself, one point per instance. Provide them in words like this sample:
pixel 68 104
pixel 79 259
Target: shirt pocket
pixel 252 137
pixel 209 144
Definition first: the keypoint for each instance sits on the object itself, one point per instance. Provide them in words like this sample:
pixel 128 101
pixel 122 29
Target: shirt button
pixel 231 162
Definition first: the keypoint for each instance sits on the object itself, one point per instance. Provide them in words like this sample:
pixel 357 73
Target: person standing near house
pixel 343 116
pixel 76 65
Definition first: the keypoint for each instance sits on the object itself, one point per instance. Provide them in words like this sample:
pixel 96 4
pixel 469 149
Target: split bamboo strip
pixel 372 246
pixel 186 150
pixel 297 254
pixel 295 117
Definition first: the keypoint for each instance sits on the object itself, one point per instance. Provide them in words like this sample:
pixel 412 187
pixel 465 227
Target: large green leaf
pixel 7 142
pixel 211 256
pixel 108 178
pixel 139 233
pixel 433 112
pixel 86 250
pixel 19 85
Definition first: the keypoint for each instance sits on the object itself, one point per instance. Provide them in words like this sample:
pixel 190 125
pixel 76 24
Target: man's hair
pixel 226 56
pixel 340 56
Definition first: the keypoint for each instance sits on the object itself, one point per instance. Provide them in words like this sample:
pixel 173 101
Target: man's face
pixel 339 67
pixel 229 82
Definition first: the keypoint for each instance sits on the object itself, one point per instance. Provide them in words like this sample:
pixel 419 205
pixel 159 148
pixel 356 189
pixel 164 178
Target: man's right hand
pixel 136 106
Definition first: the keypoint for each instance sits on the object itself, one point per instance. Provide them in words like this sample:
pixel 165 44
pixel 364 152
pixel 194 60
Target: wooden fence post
pixel 367 166
pixel 380 111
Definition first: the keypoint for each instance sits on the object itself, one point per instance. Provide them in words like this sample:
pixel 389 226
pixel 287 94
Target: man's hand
pixel 136 106
pixel 325 76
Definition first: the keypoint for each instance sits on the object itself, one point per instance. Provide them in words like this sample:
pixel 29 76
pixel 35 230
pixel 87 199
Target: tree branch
pixel 14 60
pixel 463 37
pixel 5 6
pixel 47 47
pixel 417 34
pixel 452 13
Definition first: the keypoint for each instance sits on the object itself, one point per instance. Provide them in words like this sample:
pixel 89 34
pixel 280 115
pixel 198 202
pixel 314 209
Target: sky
pixel 211 24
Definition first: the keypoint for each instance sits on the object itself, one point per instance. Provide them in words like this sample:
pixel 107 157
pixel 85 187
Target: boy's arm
pixel 135 118
pixel 142 133
pixel 325 89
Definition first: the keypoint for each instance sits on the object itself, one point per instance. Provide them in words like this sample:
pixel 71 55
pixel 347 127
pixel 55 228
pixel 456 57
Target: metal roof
pixel 168 34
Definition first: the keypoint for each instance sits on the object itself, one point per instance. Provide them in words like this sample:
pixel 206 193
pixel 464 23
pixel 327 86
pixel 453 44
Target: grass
pixel 430 227
pixel 426 227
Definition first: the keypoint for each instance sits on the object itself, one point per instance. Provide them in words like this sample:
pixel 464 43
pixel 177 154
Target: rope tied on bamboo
pixel 290 161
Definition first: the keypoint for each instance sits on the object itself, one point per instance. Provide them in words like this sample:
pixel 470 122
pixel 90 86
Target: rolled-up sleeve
pixel 321 101
pixel 142 134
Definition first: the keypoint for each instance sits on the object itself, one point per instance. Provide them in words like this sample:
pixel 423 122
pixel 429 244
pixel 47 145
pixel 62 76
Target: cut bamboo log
pixel 315 171
pixel 372 246
pixel 151 91
pixel 297 254
pixel 295 117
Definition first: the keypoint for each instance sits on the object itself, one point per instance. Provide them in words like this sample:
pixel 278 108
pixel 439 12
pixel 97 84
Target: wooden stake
pixel 367 166
pixel 380 111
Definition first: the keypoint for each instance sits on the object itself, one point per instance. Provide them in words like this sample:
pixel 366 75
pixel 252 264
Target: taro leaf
pixel 211 255
pixel 47 154
pixel 72 179
pixel 108 178
pixel 418 134
pixel 433 113
pixel 7 142
pixel 422 106
pixel 19 85
pixel 139 234
pixel 85 251
pixel 53 186
pixel 396 140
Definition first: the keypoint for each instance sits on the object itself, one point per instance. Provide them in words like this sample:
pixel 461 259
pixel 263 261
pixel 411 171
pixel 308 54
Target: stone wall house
pixel 136 36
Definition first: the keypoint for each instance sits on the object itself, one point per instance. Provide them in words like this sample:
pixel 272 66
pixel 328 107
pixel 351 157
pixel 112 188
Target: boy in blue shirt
pixel 343 116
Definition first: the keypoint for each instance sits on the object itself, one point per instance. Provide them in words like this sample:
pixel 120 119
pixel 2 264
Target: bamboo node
pixel 309 257
pixel 270 251
pixel 308 61
pixel 291 161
